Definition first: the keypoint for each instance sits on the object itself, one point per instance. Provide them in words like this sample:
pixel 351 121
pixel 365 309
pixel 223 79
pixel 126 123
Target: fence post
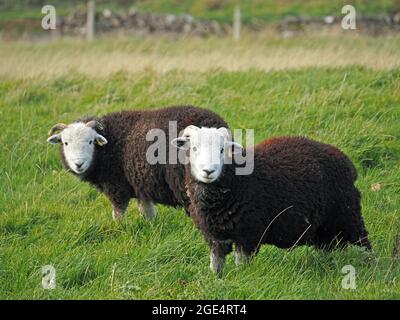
pixel 90 20
pixel 237 23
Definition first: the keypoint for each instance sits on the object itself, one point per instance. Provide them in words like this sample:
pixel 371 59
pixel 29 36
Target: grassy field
pixel 262 52
pixel 221 10
pixel 23 16
pixel 47 217
pixel 265 10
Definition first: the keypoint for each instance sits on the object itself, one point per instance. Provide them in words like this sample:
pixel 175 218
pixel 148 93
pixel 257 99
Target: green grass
pixel 221 10
pixel 265 10
pixel 19 16
pixel 49 217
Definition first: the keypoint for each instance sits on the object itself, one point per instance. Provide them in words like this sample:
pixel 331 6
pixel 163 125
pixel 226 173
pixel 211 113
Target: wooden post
pixel 90 20
pixel 237 23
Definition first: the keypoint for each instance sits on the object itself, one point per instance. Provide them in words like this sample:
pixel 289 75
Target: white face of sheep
pixel 209 148
pixel 78 142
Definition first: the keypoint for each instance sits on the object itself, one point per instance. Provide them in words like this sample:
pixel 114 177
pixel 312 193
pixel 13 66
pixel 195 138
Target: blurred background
pixel 196 17
pixel 195 35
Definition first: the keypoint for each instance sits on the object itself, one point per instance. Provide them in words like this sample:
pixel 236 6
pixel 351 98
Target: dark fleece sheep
pixel 120 169
pixel 301 192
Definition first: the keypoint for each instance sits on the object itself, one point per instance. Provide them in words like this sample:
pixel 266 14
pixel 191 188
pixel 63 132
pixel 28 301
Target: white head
pixel 78 143
pixel 209 149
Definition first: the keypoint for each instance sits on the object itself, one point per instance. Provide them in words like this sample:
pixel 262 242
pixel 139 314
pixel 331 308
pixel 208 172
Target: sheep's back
pixel 304 176
pixel 161 183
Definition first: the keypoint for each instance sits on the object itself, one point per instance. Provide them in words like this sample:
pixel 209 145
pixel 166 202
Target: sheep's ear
pixel 94 124
pixel 100 140
pixel 233 148
pixel 54 139
pixel 181 143
pixel 57 128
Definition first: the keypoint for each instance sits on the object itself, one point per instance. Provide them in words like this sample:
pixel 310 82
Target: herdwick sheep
pixel 301 192
pixel 110 153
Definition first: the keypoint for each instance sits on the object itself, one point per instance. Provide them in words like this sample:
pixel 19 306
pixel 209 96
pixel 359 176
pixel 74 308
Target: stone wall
pixel 373 26
pixel 140 23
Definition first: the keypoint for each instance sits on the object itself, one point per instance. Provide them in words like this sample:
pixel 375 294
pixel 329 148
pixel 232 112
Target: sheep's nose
pixel 78 164
pixel 208 172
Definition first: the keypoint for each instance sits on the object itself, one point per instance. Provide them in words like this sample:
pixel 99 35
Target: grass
pixel 265 10
pixel 49 217
pixel 18 17
pixel 221 10
pixel 160 54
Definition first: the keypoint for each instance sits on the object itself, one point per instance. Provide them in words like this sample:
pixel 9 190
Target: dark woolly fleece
pixel 313 181
pixel 120 168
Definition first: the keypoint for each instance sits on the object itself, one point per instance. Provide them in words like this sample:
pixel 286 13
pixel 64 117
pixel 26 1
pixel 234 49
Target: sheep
pixel 301 192
pixel 110 153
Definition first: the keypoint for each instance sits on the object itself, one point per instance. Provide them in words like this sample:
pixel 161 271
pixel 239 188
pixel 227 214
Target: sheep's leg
pixel 219 250
pixel 118 212
pixel 119 197
pixel 147 209
pixel 241 257
pixel 244 254
pixel 216 263
pixel 119 206
pixel 346 225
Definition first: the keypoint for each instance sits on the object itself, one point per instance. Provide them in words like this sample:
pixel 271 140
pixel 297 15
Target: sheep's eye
pixel 194 149
pixel 91 141
pixel 65 143
pixel 222 150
